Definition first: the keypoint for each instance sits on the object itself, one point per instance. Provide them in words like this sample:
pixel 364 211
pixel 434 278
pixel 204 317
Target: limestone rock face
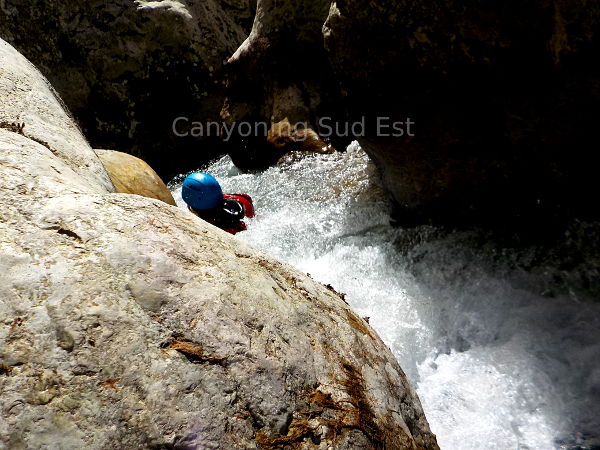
pixel 129 323
pixel 30 107
pixel 127 69
pixel 131 175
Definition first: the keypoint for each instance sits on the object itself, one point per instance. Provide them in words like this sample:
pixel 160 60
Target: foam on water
pixel 503 348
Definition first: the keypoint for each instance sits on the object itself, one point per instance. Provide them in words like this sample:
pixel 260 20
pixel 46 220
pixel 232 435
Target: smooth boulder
pixel 129 323
pixel 131 175
pixel 30 107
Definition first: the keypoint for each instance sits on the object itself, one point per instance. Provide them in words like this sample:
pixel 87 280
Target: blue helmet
pixel 201 191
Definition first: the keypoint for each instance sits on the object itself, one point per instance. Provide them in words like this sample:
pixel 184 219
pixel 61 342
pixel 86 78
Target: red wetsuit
pixel 228 216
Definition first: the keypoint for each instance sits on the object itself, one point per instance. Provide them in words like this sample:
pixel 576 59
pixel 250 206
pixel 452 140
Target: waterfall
pixel 502 344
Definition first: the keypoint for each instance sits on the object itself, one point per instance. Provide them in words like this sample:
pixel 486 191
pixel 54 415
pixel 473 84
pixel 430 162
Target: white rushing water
pixel 502 346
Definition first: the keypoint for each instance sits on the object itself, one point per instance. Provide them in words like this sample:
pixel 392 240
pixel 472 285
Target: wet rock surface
pixel 126 322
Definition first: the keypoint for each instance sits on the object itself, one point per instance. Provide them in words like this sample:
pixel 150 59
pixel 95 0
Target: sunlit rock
pixel 131 175
pixel 129 323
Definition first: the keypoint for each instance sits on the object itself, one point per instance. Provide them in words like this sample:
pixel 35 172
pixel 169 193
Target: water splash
pixel 503 344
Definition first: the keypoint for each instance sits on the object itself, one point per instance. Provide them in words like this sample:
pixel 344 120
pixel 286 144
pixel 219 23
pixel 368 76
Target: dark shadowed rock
pixel 129 323
pixel 502 97
pixel 280 72
pixel 242 12
pixel 127 69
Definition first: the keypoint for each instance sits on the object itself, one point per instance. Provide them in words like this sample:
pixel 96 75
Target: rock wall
pixel 129 323
pixel 242 12
pixel 126 69
pixel 280 72
pixel 503 96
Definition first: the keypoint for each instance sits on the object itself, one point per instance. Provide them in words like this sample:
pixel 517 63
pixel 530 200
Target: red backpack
pixel 246 202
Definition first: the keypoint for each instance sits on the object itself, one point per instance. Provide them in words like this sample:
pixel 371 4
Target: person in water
pixel 205 198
